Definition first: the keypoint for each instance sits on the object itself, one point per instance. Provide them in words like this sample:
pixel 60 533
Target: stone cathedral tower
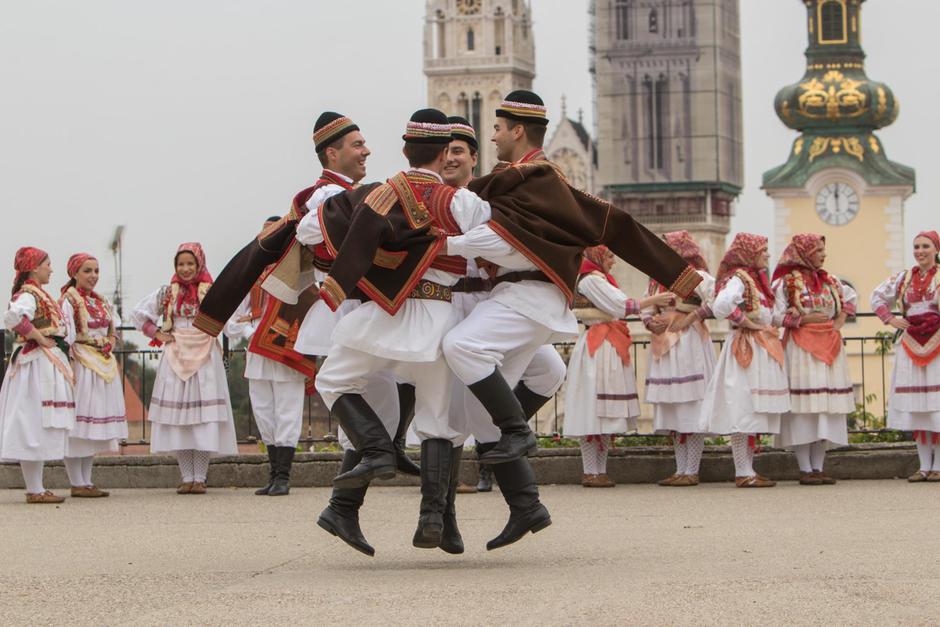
pixel 475 52
pixel 668 120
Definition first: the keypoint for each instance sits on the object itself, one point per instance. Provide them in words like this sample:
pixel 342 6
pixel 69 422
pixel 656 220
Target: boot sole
pixel 326 526
pixel 533 529
pixel 363 480
pixel 485 459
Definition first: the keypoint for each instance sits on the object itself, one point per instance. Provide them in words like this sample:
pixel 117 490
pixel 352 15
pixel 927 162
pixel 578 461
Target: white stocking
pixel 200 465
pixel 185 460
pixel 32 475
pixel 925 452
pixel 936 452
pixel 818 454
pixel 602 447
pixel 694 446
pixel 588 456
pixel 87 463
pixel 682 453
pixel 743 455
pixel 803 457
pixel 73 467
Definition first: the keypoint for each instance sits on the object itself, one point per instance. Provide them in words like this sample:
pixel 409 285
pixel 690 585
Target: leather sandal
pixel 933 476
pixel 198 488
pixel 754 481
pixel 184 488
pixel 44 497
pixel 826 479
pixel 89 492
pixel 668 481
pixel 918 476
pixel 810 478
pixel 683 481
pixel 600 481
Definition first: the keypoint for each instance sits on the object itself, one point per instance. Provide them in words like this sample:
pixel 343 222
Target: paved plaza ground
pixel 861 552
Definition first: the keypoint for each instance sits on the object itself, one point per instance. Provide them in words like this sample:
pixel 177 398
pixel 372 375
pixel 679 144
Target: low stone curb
pixel 551 465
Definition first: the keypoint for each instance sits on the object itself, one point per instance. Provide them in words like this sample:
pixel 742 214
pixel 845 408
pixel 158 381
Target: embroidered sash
pixel 818 339
pixel 921 341
pixel 616 333
pixel 189 351
pixel 744 351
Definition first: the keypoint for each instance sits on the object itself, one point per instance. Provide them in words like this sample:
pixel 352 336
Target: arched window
pixel 654 21
pixel 622 19
pixel 463 105
pixel 439 50
pixel 470 41
pixel 832 22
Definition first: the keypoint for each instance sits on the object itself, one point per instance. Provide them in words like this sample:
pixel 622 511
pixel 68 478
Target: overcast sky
pixel 190 120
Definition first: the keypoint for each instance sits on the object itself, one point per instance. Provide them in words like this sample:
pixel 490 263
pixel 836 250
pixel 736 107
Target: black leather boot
pixel 451 541
pixel 517 439
pixel 367 433
pixel 271 463
pixel 526 513
pixel 341 516
pixel 406 412
pixel 530 401
pixel 485 481
pixel 435 480
pixel 285 458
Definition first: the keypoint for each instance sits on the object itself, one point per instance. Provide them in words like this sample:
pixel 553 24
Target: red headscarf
pixel 27 259
pixel 594 262
pixel 74 265
pixel 796 256
pixel 743 255
pixel 189 290
pixel 683 243
pixel 933 236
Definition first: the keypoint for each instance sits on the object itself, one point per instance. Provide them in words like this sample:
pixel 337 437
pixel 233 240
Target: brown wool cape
pixel 551 223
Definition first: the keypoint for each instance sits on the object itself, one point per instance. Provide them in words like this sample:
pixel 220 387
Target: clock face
pixel 837 204
pixel 468 7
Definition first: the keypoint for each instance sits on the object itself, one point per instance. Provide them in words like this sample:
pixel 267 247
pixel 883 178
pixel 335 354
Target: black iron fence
pixel 869 358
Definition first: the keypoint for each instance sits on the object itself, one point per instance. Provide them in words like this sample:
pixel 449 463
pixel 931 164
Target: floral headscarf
pixel 683 243
pixel 74 265
pixel 594 262
pixel 743 254
pixel 27 259
pixel 796 256
pixel 189 290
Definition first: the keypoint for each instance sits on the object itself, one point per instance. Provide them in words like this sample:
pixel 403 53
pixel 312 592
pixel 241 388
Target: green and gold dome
pixel 835 105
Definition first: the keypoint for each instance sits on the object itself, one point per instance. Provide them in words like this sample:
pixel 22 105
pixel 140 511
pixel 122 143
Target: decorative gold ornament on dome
pixel 851 145
pixel 833 97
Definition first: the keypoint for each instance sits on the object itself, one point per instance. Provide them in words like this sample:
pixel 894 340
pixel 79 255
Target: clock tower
pixel 476 52
pixel 838 181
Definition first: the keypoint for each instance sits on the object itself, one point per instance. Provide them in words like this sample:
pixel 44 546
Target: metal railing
pixel 869 358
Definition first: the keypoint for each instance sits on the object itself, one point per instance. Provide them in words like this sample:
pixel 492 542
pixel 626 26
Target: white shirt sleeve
pixel 236 330
pixel 482 241
pixel 780 301
pixel 68 313
pixel 849 296
pixel 706 289
pixel 728 299
pixel 23 305
pixel 147 310
pixel 605 296
pixel 886 294
pixel 308 229
pixel 469 210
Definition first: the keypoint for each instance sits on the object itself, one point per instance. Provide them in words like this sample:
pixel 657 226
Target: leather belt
pixel 523 275
pixel 470 284
pixel 429 290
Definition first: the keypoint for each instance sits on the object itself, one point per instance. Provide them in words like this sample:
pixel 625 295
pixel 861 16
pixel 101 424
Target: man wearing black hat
pixel 397 260
pixel 539 230
pixel 545 372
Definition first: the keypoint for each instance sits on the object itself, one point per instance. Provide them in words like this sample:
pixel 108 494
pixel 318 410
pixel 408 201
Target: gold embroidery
pixel 389 259
pixel 381 199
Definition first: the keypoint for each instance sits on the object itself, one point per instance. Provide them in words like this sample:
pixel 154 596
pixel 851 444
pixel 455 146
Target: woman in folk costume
pixel 100 422
pixel 914 400
pixel 681 363
pixel 813 306
pixel 749 389
pixel 601 399
pixel 37 406
pixel 190 410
